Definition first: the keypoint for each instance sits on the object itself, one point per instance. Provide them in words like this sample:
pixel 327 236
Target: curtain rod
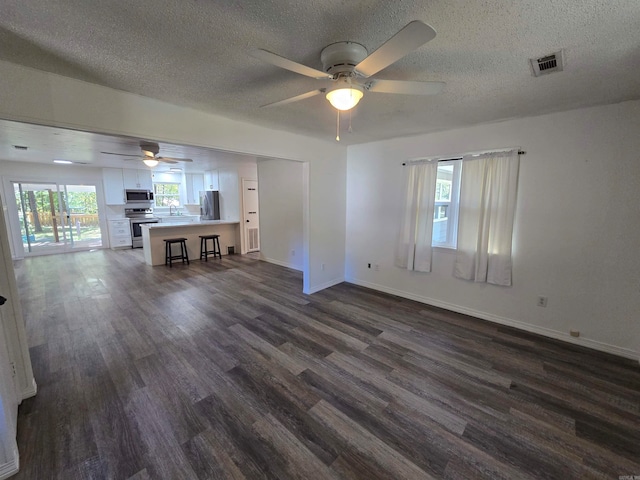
pixel 437 160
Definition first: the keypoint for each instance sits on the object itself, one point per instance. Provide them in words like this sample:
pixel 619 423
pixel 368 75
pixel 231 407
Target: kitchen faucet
pixel 170 213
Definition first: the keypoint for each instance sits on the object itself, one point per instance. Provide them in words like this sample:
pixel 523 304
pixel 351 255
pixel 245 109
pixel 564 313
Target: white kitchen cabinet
pixel 119 233
pixel 145 180
pixel 113 186
pixel 137 179
pixel 194 185
pixel 211 180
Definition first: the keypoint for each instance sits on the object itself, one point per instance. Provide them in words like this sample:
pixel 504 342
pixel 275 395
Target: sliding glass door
pixel 57 218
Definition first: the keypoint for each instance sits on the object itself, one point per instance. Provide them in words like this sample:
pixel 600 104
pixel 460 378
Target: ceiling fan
pixel 150 155
pixel 348 68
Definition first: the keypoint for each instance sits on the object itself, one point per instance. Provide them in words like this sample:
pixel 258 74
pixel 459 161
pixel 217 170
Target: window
pixel 166 194
pixel 445 212
pixel 472 214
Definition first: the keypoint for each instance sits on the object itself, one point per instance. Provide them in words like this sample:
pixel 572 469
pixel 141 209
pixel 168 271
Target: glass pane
pixel 445 213
pixel 40 222
pixel 24 231
pixel 81 216
pixel 167 194
pixel 443 198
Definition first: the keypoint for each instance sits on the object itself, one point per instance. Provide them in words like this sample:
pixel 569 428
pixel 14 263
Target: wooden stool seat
pixel 169 257
pixel 215 241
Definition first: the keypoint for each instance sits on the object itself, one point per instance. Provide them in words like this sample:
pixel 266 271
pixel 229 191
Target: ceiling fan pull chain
pixel 350 130
pixel 338 127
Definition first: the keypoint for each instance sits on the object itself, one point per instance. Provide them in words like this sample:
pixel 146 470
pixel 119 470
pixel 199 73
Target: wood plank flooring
pixel 225 370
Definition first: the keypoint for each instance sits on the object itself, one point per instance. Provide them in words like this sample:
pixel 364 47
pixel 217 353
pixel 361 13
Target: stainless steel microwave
pixel 137 196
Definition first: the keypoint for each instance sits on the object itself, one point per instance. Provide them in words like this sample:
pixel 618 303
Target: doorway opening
pixel 57 218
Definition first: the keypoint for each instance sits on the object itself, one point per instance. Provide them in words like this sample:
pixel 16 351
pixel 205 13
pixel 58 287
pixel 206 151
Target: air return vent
pixel 548 64
pixel 252 240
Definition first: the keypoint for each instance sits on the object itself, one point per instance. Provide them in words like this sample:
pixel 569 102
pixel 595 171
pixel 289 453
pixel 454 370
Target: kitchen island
pixel 153 235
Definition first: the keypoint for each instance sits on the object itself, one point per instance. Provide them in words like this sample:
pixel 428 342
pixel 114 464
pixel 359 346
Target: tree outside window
pixel 443 190
pixel 166 194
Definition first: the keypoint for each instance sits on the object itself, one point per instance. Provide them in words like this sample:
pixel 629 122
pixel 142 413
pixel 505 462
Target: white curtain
pixel 485 222
pixel 413 250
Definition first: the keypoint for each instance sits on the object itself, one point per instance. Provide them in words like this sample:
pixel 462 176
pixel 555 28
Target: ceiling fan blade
pixel 121 154
pixel 412 36
pixel 406 88
pixel 173 160
pixel 310 94
pixel 287 64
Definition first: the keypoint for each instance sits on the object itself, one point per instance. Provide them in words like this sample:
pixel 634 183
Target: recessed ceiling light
pixel 64 162
pixel 175 170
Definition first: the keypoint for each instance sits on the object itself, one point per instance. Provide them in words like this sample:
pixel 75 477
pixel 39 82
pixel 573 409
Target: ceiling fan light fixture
pixel 345 96
pixel 150 162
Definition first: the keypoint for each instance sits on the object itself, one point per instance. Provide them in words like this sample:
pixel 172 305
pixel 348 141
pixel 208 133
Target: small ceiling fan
pixel 348 68
pixel 150 157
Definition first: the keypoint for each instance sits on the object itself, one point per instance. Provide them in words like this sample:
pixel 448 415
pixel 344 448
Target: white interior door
pixel 251 215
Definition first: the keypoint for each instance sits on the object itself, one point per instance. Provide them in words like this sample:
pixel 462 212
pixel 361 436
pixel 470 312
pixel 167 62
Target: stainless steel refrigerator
pixel 210 205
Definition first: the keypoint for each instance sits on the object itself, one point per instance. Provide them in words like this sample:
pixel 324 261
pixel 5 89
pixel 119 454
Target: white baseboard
pixel 11 467
pixel 282 264
pixel 546 332
pixel 30 391
pixel 322 286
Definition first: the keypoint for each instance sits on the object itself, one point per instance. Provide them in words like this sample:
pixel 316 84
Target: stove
pixel 138 216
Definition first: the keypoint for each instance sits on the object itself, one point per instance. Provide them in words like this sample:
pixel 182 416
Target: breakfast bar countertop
pixel 154 234
pixel 164 224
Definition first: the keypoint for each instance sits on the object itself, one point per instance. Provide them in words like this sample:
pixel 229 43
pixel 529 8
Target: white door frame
pixel 246 220
pixel 14 387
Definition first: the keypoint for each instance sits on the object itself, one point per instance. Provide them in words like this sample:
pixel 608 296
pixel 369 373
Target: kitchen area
pixel 146 206
pixel 99 196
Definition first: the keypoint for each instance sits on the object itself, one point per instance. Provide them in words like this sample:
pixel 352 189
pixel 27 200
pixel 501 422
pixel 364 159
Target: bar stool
pixel 215 241
pixel 168 257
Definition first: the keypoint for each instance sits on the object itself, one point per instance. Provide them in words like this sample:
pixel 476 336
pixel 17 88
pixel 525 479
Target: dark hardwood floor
pixel 225 370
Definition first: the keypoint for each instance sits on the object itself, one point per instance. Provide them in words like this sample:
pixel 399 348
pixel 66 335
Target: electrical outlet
pixel 293 253
pixel 368 265
pixel 574 333
pixel 376 267
pixel 542 301
pixel 322 266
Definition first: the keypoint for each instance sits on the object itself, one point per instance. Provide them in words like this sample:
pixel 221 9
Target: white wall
pixel 280 184
pixel 327 224
pixel 228 186
pixel 38 97
pixel 577 229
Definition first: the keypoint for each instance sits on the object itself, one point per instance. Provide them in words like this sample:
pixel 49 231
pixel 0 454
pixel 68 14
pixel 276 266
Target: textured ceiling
pixel 195 53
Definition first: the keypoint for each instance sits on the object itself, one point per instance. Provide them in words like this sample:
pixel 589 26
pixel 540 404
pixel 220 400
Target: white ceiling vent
pixel 551 63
